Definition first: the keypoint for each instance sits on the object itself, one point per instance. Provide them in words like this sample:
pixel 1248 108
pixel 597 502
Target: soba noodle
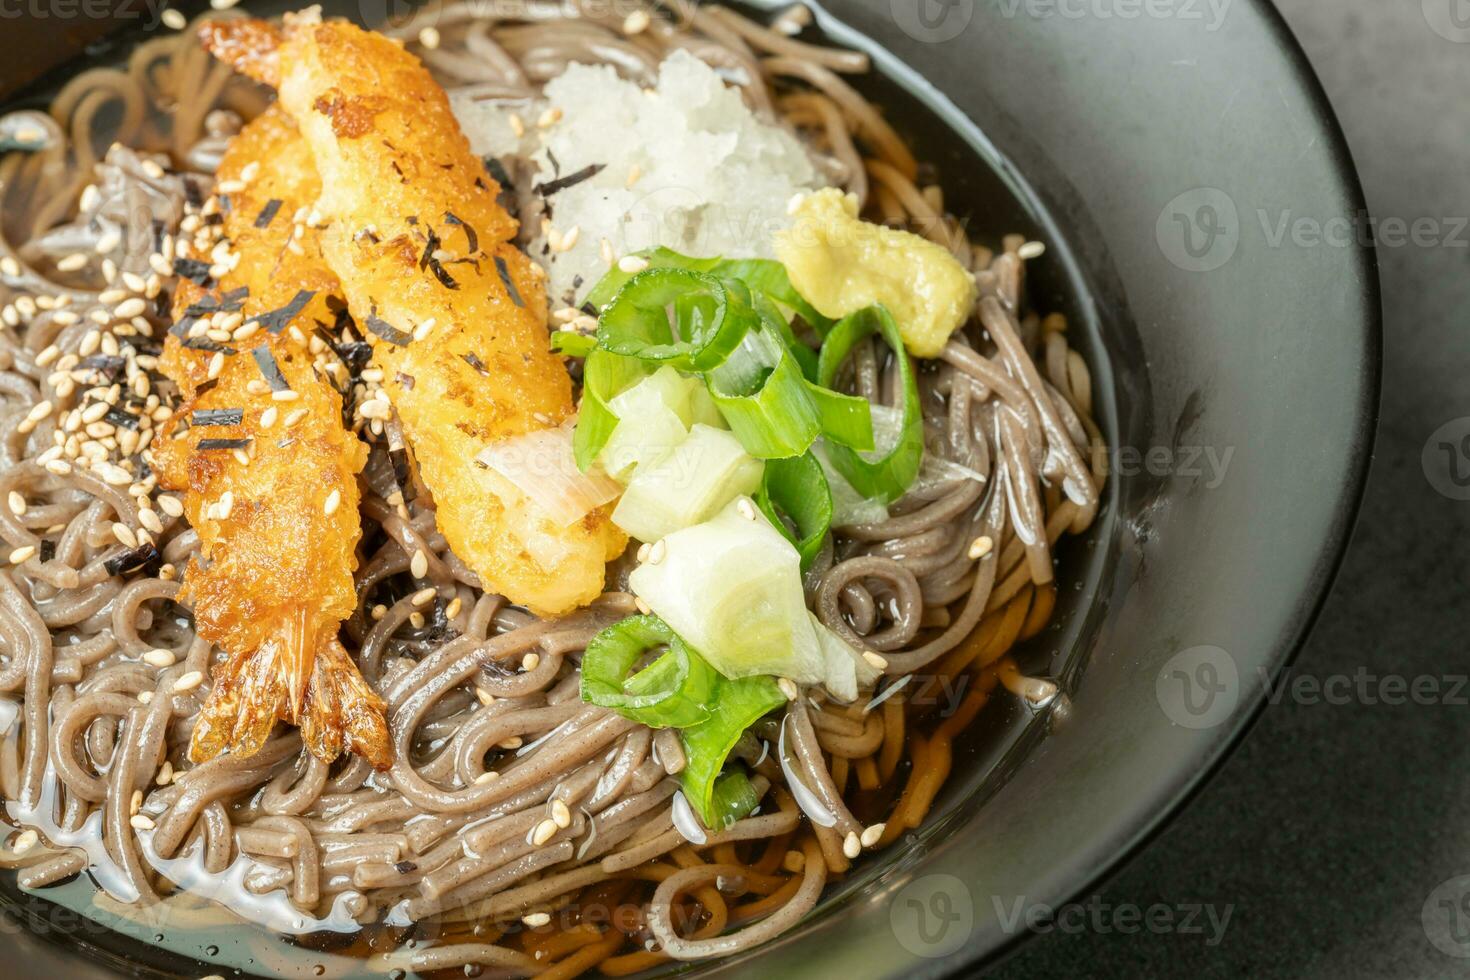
pixel 509 799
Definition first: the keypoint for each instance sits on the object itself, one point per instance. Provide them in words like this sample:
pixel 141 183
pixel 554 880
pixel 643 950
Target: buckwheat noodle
pixel 512 810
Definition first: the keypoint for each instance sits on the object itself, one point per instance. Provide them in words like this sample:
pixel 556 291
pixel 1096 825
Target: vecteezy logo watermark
pixel 1199 230
pixel 1210 12
pixel 932 21
pixel 1198 687
pixel 1126 918
pixel 148 11
pixel 1207 465
pixel 1446 459
pixel 932 916
pixel 1450 19
pixel 1366 687
pixel 1446 917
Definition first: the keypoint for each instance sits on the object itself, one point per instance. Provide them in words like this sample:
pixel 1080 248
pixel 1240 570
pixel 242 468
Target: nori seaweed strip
pixel 48 550
pixel 268 213
pixel 192 193
pixel 224 204
pixel 405 867
pixel 510 286
pixel 555 163
pixel 227 303
pixel 430 244
pixel 472 240
pixel 116 416
pixel 110 365
pixel 158 230
pixel 210 445
pixel 386 331
pixel 181 326
pixel 497 170
pixel 135 558
pixel 275 321
pixel 217 416
pixel 194 270
pixel 269 369
pixel 562 183
pixel 205 344
pixel 406 380
pixel 207 385
pixel 442 274
pixel 474 361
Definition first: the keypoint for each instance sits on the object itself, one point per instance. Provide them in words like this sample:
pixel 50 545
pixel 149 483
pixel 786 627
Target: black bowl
pixel 1176 158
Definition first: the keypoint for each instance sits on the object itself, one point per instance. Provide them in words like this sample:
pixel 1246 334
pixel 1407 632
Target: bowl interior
pixel 1236 393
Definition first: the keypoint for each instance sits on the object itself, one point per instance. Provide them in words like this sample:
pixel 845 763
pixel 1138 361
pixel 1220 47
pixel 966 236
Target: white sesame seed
pixel 980 547
pixel 171 506
pixel 145 697
pixel 189 681
pixel 152 169
pixel 134 282
pixel 72 262
pixel 486 777
pixel 418 566
pixel 746 508
pixel 564 315
pixel 514 742
pixel 632 264
pixel 216 364
pixel 165 773
pixel 874 660
pixel 60 467
pixel 568 241
pixel 517 125
pixel 643 550
pixel 24 553
pixel 136 802
pixel 872 834
pixel 174 19
pixel 10 266
pixel 333 501
pixel 295 417
pixel 1031 250
pixel 788 688
pixel 543 832
pixel 224 506
pixel 536 919
pixel 531 661
pixel 109 241
pixel 159 657
pixel 24 841
pixel 851 845
pixel 285 395
pixel 549 118
pixel 379 611
pixel 657 552
pixel 429 37
pixel 423 596
pixel 452 610
pixel 17 503
pixel 561 814
pixel 141 821
pixel 642 606
pixel 636 23
pixel 125 535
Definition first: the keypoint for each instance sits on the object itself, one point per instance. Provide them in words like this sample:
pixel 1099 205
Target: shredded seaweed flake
pixel 269 369
pixel 217 416
pixel 214 445
pixel 510 286
pixel 268 213
pixel 562 183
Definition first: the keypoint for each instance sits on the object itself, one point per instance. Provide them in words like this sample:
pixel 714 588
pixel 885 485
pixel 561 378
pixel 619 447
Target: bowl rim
pixel 1345 511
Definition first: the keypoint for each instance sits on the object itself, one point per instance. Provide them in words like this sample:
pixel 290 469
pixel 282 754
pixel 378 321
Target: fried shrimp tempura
pixel 456 313
pixel 275 504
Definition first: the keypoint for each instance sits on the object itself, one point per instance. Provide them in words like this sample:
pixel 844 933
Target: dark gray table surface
pixel 1334 826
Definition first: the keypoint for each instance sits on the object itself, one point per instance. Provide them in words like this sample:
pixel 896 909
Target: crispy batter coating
pixel 425 257
pixel 277 581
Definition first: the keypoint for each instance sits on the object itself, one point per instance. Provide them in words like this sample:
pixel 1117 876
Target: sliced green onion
pixel 604 375
pixel 733 799
pixel 711 322
pixel 707 745
pixel 761 393
pixel 676 690
pixel 847 419
pixel 572 343
pixel 657 258
pixel 889 475
pixel 769 276
pixel 797 489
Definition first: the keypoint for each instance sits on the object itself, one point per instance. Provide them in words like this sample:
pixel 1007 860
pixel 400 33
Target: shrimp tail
pixel 250 694
pixel 309 682
pixel 342 711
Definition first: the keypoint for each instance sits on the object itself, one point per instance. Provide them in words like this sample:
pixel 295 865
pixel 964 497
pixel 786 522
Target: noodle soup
pixel 593 857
